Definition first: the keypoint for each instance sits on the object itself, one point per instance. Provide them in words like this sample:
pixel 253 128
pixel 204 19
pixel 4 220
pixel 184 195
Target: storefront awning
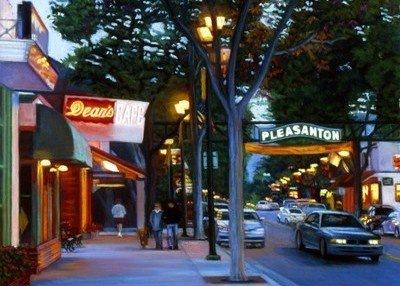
pixel 298 150
pixel 131 171
pixel 56 139
pixel 20 76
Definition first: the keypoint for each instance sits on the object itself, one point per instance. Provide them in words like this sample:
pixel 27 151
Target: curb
pixel 270 276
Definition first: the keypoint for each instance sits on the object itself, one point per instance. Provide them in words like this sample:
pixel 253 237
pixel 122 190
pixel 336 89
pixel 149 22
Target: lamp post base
pixel 213 257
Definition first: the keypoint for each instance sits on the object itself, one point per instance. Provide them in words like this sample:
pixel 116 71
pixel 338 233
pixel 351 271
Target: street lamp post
pixel 206 37
pixel 168 143
pixel 181 108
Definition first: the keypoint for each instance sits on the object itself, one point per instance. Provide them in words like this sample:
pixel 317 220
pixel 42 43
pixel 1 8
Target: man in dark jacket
pixel 172 217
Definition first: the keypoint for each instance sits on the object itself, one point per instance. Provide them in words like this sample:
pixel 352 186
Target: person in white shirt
pixel 118 211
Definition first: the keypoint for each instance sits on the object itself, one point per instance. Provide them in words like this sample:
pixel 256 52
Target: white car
pixel 254 230
pixel 391 225
pixel 267 206
pixel 290 215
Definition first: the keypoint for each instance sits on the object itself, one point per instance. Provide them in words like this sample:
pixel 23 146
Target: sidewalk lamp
pixel 206 37
pixel 182 108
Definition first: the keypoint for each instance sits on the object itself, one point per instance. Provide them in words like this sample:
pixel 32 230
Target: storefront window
pixel 374 193
pixel 370 194
pixel 397 192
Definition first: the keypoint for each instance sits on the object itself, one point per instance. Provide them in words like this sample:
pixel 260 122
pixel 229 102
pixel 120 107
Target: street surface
pixel 308 268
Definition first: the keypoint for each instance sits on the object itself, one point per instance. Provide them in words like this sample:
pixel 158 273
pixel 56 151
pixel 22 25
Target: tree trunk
pixel 357 175
pixel 236 233
pixel 149 159
pixel 198 186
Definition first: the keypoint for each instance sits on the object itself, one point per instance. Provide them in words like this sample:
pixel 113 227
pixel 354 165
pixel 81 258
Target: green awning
pixel 56 139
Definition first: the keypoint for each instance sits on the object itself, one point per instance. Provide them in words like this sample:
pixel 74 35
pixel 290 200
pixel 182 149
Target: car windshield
pixel 247 216
pixel 383 211
pixel 295 211
pixel 339 220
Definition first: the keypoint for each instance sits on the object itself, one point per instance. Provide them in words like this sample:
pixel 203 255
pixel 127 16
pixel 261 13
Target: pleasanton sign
pixel 295 130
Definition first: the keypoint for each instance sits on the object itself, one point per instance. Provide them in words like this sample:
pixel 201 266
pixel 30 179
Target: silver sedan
pixel 338 233
pixel 391 225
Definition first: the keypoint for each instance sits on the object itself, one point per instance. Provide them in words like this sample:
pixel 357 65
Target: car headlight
pixel 374 241
pixel 338 241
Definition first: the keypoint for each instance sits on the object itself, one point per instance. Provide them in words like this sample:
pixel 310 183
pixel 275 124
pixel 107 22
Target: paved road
pixel 307 268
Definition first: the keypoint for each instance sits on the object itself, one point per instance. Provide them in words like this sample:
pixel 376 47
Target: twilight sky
pixel 58 48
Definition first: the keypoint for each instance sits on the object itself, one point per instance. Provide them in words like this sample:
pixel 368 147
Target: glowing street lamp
pixel 220 22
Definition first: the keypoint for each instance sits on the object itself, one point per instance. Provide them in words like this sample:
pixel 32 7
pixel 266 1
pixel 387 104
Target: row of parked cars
pixel 292 210
pixel 254 229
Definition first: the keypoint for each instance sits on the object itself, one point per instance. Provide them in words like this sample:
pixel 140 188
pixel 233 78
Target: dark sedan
pixel 337 233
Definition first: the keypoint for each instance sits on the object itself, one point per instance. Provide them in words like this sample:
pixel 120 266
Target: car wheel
pixel 299 241
pixel 375 258
pixel 381 230
pixel 322 249
pixel 278 219
pixel 287 221
pixel 397 232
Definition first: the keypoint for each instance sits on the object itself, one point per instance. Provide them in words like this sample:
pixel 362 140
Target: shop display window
pixel 397 192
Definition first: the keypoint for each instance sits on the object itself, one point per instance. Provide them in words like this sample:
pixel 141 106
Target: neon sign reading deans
pixel 304 130
pixel 106 111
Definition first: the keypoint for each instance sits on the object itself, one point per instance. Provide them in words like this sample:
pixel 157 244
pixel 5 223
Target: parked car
pixel 391 225
pixel 310 207
pixel 267 206
pixel 337 233
pixel 290 215
pixel 288 202
pixel 261 205
pixel 254 230
pixel 376 215
pixel 217 206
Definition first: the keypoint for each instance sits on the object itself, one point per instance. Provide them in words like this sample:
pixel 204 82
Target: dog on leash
pixel 143 237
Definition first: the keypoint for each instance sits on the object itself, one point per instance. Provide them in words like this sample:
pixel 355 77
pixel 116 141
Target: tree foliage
pixel 124 49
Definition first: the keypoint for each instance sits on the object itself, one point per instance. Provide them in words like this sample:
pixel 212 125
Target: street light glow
pixel 109 166
pixel 169 141
pixel 220 22
pixel 205 34
pixel 184 104
pixel 344 154
pixel 62 168
pixel 45 163
pixel 179 109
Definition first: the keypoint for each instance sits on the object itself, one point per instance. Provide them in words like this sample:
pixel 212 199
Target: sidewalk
pixel 109 260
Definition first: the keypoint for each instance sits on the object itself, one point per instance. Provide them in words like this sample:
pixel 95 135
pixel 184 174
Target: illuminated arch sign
pixel 105 119
pixel 296 130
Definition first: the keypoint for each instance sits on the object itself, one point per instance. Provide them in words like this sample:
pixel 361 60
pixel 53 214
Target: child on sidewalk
pixel 156 222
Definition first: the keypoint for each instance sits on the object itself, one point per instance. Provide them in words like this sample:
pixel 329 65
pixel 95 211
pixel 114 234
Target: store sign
pixel 40 64
pixel 104 119
pixel 297 130
pixel 387 181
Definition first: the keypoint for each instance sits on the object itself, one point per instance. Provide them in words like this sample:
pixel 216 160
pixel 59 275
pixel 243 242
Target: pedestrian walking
pixel 118 211
pixel 156 222
pixel 172 217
